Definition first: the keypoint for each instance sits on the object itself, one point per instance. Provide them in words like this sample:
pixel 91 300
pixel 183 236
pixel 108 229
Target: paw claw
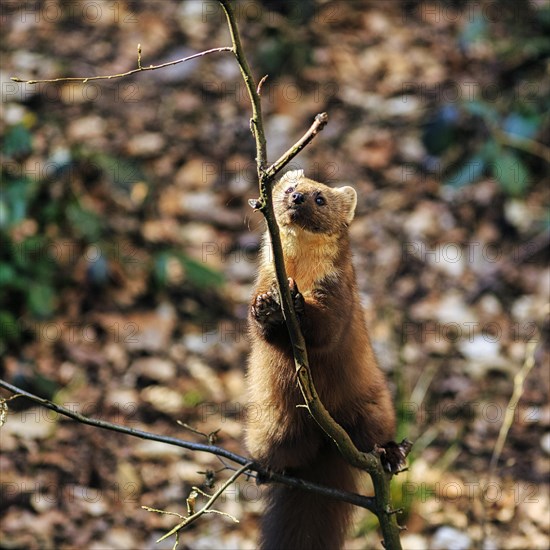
pixel 299 304
pixel 393 455
pixel 266 309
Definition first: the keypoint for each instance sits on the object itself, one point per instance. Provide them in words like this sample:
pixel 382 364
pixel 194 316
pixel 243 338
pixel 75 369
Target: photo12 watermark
pixel 490 492
pixel 248 11
pixel 469 331
pixel 488 412
pixel 52 493
pixel 117 412
pixel 472 11
pixel 53 332
pixel 466 252
pixel 289 92
pixel 71 93
pixel 87 12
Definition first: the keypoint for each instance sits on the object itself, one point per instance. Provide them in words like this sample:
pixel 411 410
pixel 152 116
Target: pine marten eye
pixel 289 190
pixel 320 201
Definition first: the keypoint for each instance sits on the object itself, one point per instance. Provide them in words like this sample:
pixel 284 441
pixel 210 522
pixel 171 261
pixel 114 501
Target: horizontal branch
pixel 140 69
pixel 267 475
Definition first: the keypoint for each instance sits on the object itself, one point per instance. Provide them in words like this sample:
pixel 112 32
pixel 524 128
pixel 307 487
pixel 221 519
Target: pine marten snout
pixel 313 206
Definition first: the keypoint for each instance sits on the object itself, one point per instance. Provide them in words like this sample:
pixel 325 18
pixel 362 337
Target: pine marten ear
pixel 349 199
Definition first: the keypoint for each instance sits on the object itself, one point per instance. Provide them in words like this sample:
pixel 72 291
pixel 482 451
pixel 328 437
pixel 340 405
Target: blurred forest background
pixel 128 253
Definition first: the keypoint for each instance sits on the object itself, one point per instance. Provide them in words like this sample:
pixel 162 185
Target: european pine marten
pixel 313 220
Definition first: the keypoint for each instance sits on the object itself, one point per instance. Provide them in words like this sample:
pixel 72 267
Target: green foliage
pixel 196 274
pixel 279 54
pixel 502 163
pixel 122 173
pixel 500 155
pixel 18 141
pixel 511 172
pixel 25 274
pixel 85 223
pixel 193 398
pixel 495 131
pixel 38 216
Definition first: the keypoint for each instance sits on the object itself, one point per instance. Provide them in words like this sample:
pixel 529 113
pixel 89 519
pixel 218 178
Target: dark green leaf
pixel 468 173
pixel 9 327
pixel 440 132
pixel 122 173
pixel 483 110
pixel 543 15
pixel 196 273
pixel 85 223
pixel 28 253
pixel 511 173
pixel 490 151
pixel 199 274
pixel 18 141
pixel 4 214
pixel 16 196
pixel 521 125
pixel 7 274
pixel 160 268
pixel 41 300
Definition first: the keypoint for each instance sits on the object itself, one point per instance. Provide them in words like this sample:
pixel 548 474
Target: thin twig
pixel 318 124
pixel 190 519
pixel 260 84
pixel 522 143
pixel 4 408
pixel 267 475
pixel 140 69
pixel 211 437
pixel 517 392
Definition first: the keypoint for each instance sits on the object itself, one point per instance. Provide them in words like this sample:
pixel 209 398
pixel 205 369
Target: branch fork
pixel 380 504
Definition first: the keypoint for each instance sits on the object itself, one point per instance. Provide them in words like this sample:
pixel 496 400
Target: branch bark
pixel 352 498
pixel 207 507
pixel 256 122
pixel 369 462
pixel 140 69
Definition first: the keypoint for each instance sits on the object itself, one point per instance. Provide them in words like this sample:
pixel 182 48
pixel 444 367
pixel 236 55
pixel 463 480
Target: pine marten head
pixel 314 207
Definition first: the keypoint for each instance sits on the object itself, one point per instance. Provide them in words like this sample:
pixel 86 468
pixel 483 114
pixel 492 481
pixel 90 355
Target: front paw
pixel 297 297
pixel 266 308
pixel 393 455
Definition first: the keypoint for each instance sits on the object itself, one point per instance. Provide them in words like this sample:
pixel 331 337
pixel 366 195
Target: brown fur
pixel 318 257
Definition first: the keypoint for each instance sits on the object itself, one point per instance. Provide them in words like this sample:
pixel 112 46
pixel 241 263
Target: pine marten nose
pixel 298 198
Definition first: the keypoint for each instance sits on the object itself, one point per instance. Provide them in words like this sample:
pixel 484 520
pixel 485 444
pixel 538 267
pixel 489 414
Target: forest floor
pixel 146 251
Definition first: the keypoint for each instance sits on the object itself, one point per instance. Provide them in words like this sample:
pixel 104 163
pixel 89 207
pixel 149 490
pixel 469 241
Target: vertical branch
pixel 265 179
pixel 366 461
pixel 256 122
